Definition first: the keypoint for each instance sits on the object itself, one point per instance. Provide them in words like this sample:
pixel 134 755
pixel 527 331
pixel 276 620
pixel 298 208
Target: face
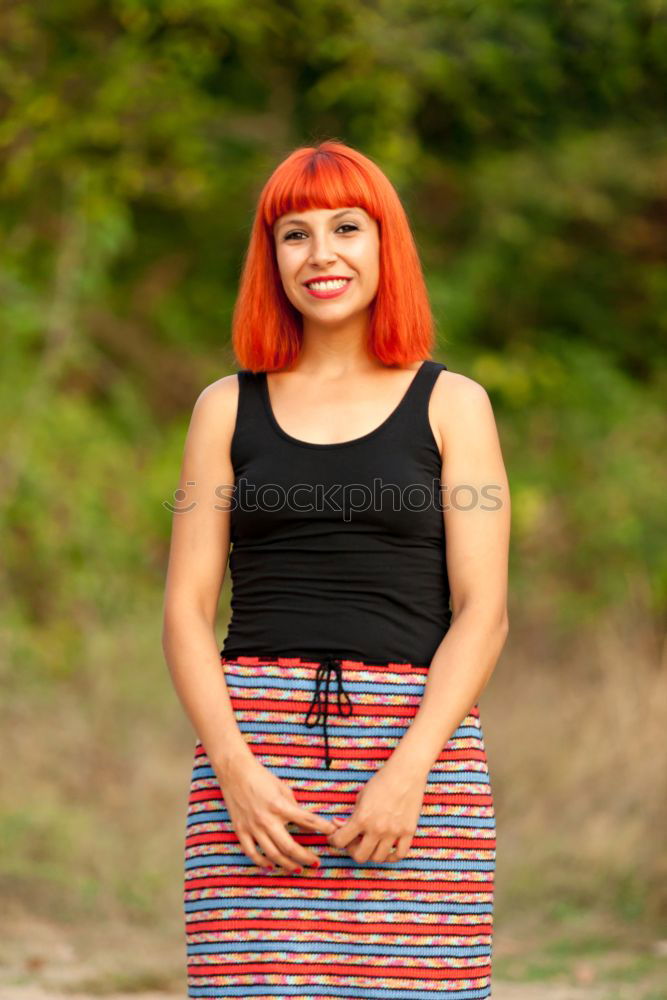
pixel 317 247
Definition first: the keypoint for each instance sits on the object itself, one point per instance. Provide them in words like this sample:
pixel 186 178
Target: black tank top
pixel 337 549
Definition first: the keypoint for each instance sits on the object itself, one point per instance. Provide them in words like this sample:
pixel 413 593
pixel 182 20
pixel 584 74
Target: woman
pixel 340 837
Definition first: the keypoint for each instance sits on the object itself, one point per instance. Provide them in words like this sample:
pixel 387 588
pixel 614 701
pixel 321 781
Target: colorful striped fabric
pixel 404 930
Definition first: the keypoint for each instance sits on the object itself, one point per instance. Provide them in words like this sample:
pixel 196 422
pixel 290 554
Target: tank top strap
pixel 426 377
pixel 250 426
pixel 250 406
pixel 414 411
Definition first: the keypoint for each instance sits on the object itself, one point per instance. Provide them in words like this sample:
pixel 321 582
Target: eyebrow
pixel 302 222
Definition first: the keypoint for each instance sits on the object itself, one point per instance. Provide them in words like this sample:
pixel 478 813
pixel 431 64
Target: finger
pixel 309 820
pixel 286 843
pixel 346 834
pixel 279 858
pixel 339 823
pixel 288 852
pixel 402 847
pixel 249 848
pixel 369 842
pixel 383 850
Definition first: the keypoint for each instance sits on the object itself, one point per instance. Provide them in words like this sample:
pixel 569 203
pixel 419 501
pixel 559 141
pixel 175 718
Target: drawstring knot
pixel 328 665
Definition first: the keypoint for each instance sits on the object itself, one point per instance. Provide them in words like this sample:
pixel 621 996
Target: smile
pixel 327 289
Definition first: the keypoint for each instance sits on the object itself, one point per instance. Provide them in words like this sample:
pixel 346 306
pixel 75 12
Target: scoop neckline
pixel 264 382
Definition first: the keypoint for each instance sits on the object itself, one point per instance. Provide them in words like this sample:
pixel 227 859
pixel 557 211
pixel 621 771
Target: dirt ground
pixel 500 992
pixel 41 960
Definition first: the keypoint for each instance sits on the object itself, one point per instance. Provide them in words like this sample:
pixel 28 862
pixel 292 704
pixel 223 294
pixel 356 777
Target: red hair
pixel 267 330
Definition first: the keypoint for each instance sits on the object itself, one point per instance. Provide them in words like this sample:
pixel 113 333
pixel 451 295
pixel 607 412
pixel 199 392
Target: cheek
pixel 372 262
pixel 289 262
pixel 373 270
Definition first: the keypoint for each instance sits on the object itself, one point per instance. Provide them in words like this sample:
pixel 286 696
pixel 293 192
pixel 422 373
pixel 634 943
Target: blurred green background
pixel 528 143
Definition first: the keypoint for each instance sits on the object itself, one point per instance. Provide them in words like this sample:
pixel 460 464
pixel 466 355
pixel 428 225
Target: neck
pixel 336 349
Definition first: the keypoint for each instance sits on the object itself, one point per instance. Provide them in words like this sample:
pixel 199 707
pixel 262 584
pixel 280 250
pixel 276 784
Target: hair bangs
pixel 319 178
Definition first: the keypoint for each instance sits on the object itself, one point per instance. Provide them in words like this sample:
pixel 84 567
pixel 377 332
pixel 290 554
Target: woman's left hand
pixel 386 814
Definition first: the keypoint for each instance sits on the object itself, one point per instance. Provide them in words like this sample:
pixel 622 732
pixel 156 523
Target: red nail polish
pixel 297 871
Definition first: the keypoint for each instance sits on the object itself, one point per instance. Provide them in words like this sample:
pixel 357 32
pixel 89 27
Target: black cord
pixel 328 665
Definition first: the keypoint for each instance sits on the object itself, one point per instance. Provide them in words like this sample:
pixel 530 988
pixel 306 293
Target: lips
pixel 327 293
pixel 327 277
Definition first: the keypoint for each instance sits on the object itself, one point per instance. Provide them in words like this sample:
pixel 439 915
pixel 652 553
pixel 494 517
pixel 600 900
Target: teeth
pixel 324 286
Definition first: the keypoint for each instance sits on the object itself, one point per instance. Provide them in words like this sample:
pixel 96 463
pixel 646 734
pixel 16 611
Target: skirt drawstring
pixel 327 666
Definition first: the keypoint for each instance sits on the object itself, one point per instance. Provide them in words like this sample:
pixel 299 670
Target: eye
pixel 300 232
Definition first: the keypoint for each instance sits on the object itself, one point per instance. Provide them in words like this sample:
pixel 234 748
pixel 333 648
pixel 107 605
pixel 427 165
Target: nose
pixel 322 252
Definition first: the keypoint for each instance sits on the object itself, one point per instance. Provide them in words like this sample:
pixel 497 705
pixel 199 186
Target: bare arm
pixel 260 804
pixel 473 478
pixel 197 563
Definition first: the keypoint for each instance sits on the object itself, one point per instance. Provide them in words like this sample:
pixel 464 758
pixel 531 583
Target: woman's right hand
pixel 259 804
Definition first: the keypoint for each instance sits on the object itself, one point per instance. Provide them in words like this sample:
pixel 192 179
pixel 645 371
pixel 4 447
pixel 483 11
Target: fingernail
pixel 297 871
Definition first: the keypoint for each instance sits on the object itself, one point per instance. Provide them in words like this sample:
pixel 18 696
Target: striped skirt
pixel 404 930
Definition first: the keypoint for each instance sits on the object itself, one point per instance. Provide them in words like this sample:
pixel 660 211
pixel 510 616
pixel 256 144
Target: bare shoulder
pixel 461 411
pixel 452 390
pixel 214 413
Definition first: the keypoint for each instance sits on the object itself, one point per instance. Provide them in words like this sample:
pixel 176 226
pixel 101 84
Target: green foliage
pixel 528 144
